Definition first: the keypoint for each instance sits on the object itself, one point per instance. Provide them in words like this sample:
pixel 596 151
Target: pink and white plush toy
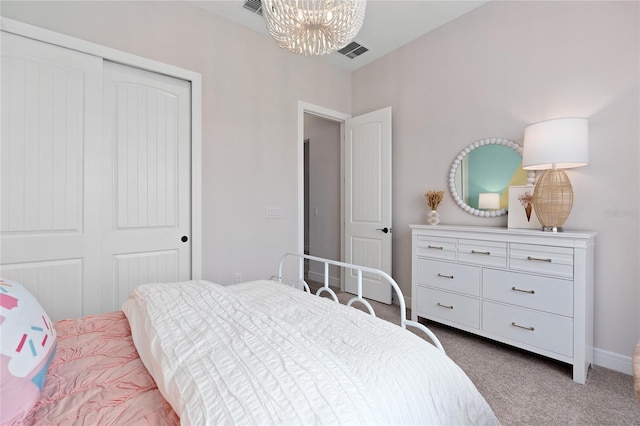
pixel 27 346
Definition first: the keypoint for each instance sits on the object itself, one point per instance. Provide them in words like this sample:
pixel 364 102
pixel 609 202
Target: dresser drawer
pixel 436 247
pixel 526 288
pixel 546 331
pixel 449 276
pixel 448 306
pixel 556 261
pixel 485 253
pixel 547 294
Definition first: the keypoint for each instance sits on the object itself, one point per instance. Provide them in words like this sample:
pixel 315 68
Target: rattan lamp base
pixel 553 199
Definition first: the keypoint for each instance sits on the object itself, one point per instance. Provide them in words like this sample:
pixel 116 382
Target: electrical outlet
pixel 238 277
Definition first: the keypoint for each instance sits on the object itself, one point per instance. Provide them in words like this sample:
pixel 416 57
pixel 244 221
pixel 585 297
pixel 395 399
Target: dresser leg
pixel 580 371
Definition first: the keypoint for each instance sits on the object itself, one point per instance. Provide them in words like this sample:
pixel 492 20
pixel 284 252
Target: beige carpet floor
pixel 527 389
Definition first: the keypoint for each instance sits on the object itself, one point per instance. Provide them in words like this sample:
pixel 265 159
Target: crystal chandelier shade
pixel 313 27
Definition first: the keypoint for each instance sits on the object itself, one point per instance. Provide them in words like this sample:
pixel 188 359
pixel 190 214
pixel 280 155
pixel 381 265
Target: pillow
pixel 27 347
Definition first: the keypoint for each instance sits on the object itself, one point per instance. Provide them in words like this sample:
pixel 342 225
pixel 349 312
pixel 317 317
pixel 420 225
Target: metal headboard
pixel 404 322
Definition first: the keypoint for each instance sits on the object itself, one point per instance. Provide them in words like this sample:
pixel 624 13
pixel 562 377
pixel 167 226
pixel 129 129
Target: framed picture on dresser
pixel 521 211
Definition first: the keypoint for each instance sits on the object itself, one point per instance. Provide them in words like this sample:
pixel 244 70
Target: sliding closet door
pixel 50 218
pixel 95 185
pixel 147 192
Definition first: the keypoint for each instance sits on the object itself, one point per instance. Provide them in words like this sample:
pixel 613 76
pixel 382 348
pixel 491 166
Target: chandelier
pixel 313 27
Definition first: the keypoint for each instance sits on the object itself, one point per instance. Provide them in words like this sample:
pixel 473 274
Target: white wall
pixel 489 74
pixel 251 90
pixel 324 190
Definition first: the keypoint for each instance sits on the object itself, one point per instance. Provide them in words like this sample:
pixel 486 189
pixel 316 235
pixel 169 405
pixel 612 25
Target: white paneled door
pixel 147 215
pixel 50 185
pixel 368 200
pixel 95 177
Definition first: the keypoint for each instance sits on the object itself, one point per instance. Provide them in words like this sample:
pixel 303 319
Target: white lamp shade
pixel 561 143
pixel 489 201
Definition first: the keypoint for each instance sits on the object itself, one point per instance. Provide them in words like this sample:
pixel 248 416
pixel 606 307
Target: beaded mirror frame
pixel 457 198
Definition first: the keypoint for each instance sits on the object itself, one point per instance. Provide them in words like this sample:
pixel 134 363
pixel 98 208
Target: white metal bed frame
pixel 404 322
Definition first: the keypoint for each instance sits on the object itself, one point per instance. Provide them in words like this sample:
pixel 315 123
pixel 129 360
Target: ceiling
pixel 388 24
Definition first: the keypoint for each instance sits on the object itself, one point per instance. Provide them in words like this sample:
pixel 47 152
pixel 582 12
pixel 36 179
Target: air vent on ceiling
pixel 253 5
pixel 353 50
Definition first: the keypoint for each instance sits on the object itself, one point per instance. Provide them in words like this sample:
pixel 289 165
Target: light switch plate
pixel 275 212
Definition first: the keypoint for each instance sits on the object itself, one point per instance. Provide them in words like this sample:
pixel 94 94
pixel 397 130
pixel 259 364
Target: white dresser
pixel 526 288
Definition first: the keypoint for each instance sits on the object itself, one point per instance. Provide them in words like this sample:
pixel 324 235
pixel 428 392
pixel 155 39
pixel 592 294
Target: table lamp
pixel 489 201
pixel 551 146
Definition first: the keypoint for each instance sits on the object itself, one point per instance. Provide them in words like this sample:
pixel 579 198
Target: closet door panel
pixel 149 267
pixel 56 284
pixel 147 130
pixel 147 148
pixel 50 193
pixel 42 137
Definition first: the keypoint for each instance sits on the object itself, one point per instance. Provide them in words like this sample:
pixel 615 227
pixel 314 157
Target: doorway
pixel 322 199
pixel 364 194
pixel 305 209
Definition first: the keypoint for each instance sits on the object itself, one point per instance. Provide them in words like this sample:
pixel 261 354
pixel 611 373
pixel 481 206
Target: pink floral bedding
pixel 97 377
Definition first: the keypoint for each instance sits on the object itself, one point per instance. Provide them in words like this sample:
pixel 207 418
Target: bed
pixel 259 352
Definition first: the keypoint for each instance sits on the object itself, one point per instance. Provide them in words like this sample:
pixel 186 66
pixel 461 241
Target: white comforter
pixel 263 353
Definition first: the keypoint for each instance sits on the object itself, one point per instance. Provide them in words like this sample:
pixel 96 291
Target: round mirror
pixel 481 174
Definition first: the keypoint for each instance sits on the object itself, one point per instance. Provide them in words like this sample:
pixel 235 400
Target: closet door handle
pixel 184 239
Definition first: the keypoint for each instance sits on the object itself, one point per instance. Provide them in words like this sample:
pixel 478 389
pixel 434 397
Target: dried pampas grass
pixel 434 198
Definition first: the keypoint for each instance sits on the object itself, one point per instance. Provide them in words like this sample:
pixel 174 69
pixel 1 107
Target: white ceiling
pixel 388 24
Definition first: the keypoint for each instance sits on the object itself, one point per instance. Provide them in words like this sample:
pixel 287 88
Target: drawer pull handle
pixel 435 247
pixel 537 259
pixel 523 291
pixel 445 276
pixel 445 306
pixel 522 326
pixel 487 253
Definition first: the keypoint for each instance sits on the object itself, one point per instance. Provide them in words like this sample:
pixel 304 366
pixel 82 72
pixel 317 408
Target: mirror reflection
pixel 490 169
pixel 481 174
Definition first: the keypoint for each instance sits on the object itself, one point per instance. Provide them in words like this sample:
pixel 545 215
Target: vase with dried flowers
pixel 433 198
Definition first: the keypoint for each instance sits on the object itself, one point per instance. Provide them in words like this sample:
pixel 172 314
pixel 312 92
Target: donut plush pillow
pixel 28 343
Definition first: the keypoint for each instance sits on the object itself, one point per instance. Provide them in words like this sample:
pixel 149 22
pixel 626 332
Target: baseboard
pixel 612 361
pixel 318 277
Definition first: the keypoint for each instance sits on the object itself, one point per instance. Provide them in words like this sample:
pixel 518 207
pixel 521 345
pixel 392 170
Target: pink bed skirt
pixel 97 377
